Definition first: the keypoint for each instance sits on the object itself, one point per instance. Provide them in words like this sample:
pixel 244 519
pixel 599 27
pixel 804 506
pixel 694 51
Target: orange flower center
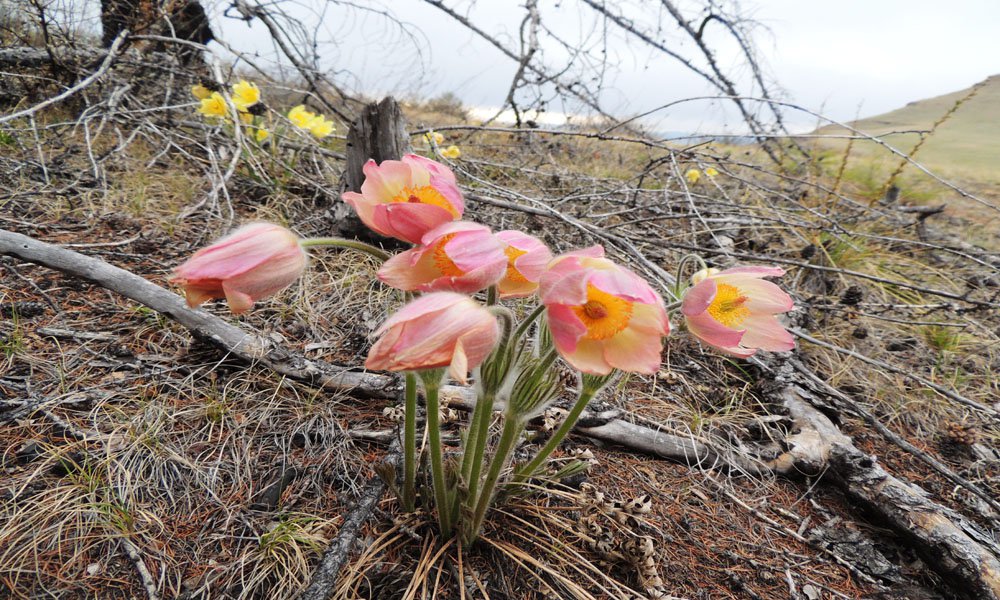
pixel 513 275
pixel 442 261
pixel 604 314
pixel 728 306
pixel 425 195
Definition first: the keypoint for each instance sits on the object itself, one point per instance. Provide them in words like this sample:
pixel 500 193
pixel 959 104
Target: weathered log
pixel 379 133
pixel 947 542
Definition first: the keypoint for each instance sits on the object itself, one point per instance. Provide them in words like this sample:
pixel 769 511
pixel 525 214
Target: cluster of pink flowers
pixel 602 316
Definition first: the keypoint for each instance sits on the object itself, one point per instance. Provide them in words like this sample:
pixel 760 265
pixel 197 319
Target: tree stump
pixel 379 133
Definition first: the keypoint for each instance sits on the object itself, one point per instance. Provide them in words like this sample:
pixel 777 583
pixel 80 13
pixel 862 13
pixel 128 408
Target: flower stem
pixel 342 243
pixel 526 323
pixel 479 429
pixel 512 429
pixel 586 395
pixel 432 382
pixel 410 444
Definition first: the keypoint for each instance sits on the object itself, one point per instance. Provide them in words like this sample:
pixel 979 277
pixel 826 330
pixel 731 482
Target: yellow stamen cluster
pixel 729 306
pixel 604 314
pixel 442 261
pixel 425 195
pixel 513 275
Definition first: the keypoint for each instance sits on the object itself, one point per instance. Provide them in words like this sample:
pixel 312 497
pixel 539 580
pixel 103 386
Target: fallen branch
pixel 966 556
pixel 325 577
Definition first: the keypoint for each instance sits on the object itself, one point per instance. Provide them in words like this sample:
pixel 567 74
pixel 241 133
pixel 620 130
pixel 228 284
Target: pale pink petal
pixel 766 333
pixel 364 208
pixel 384 181
pixel 566 327
pixel 699 297
pixel 621 282
pixel 426 304
pixel 650 319
pixel 634 351
pixel 475 249
pixel 270 277
pixel 517 289
pixel 240 251
pixel 238 301
pixel 753 271
pixel 588 357
pixel 713 333
pixel 409 270
pixel 468 283
pixel 451 227
pixel 763 297
pixel 565 282
pixel 432 168
pixel 408 221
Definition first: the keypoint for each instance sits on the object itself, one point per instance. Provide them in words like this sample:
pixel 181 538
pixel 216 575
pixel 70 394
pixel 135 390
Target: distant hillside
pixel 965 147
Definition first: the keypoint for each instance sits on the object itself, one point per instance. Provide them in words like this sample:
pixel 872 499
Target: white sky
pixel 841 58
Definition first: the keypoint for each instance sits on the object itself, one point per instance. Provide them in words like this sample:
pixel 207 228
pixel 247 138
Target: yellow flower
pixel 245 117
pixel 320 127
pixel 434 137
pixel 200 92
pixel 261 134
pixel 692 176
pixel 711 172
pixel 245 94
pixel 451 152
pixel 214 106
pixel 300 117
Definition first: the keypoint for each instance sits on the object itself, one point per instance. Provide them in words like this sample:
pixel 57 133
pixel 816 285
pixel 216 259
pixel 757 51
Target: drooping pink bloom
pixel 601 315
pixel 407 198
pixel 733 310
pixel 458 256
pixel 441 329
pixel 251 263
pixel 527 257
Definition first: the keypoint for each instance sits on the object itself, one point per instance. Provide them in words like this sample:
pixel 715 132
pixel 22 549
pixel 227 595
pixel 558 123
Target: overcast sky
pixel 842 58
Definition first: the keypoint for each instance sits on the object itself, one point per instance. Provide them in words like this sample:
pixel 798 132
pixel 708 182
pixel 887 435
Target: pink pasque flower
pixel 527 257
pixel 459 256
pixel 733 310
pixel 603 316
pixel 251 263
pixel 442 329
pixel 407 198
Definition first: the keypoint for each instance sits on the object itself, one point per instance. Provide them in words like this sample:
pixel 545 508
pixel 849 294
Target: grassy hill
pixel 965 146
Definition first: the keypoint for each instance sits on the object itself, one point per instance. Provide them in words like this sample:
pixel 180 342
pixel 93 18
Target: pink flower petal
pixel 588 358
pixel 408 221
pixel 382 182
pixel 699 297
pixel 634 351
pixel 763 297
pixel 713 333
pixel 566 328
pixel 753 271
pixel 766 333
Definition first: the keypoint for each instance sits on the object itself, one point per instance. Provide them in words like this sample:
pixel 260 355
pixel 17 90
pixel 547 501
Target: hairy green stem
pixel 512 429
pixel 410 444
pixel 342 243
pixel 522 328
pixel 479 430
pixel 567 425
pixel 432 383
